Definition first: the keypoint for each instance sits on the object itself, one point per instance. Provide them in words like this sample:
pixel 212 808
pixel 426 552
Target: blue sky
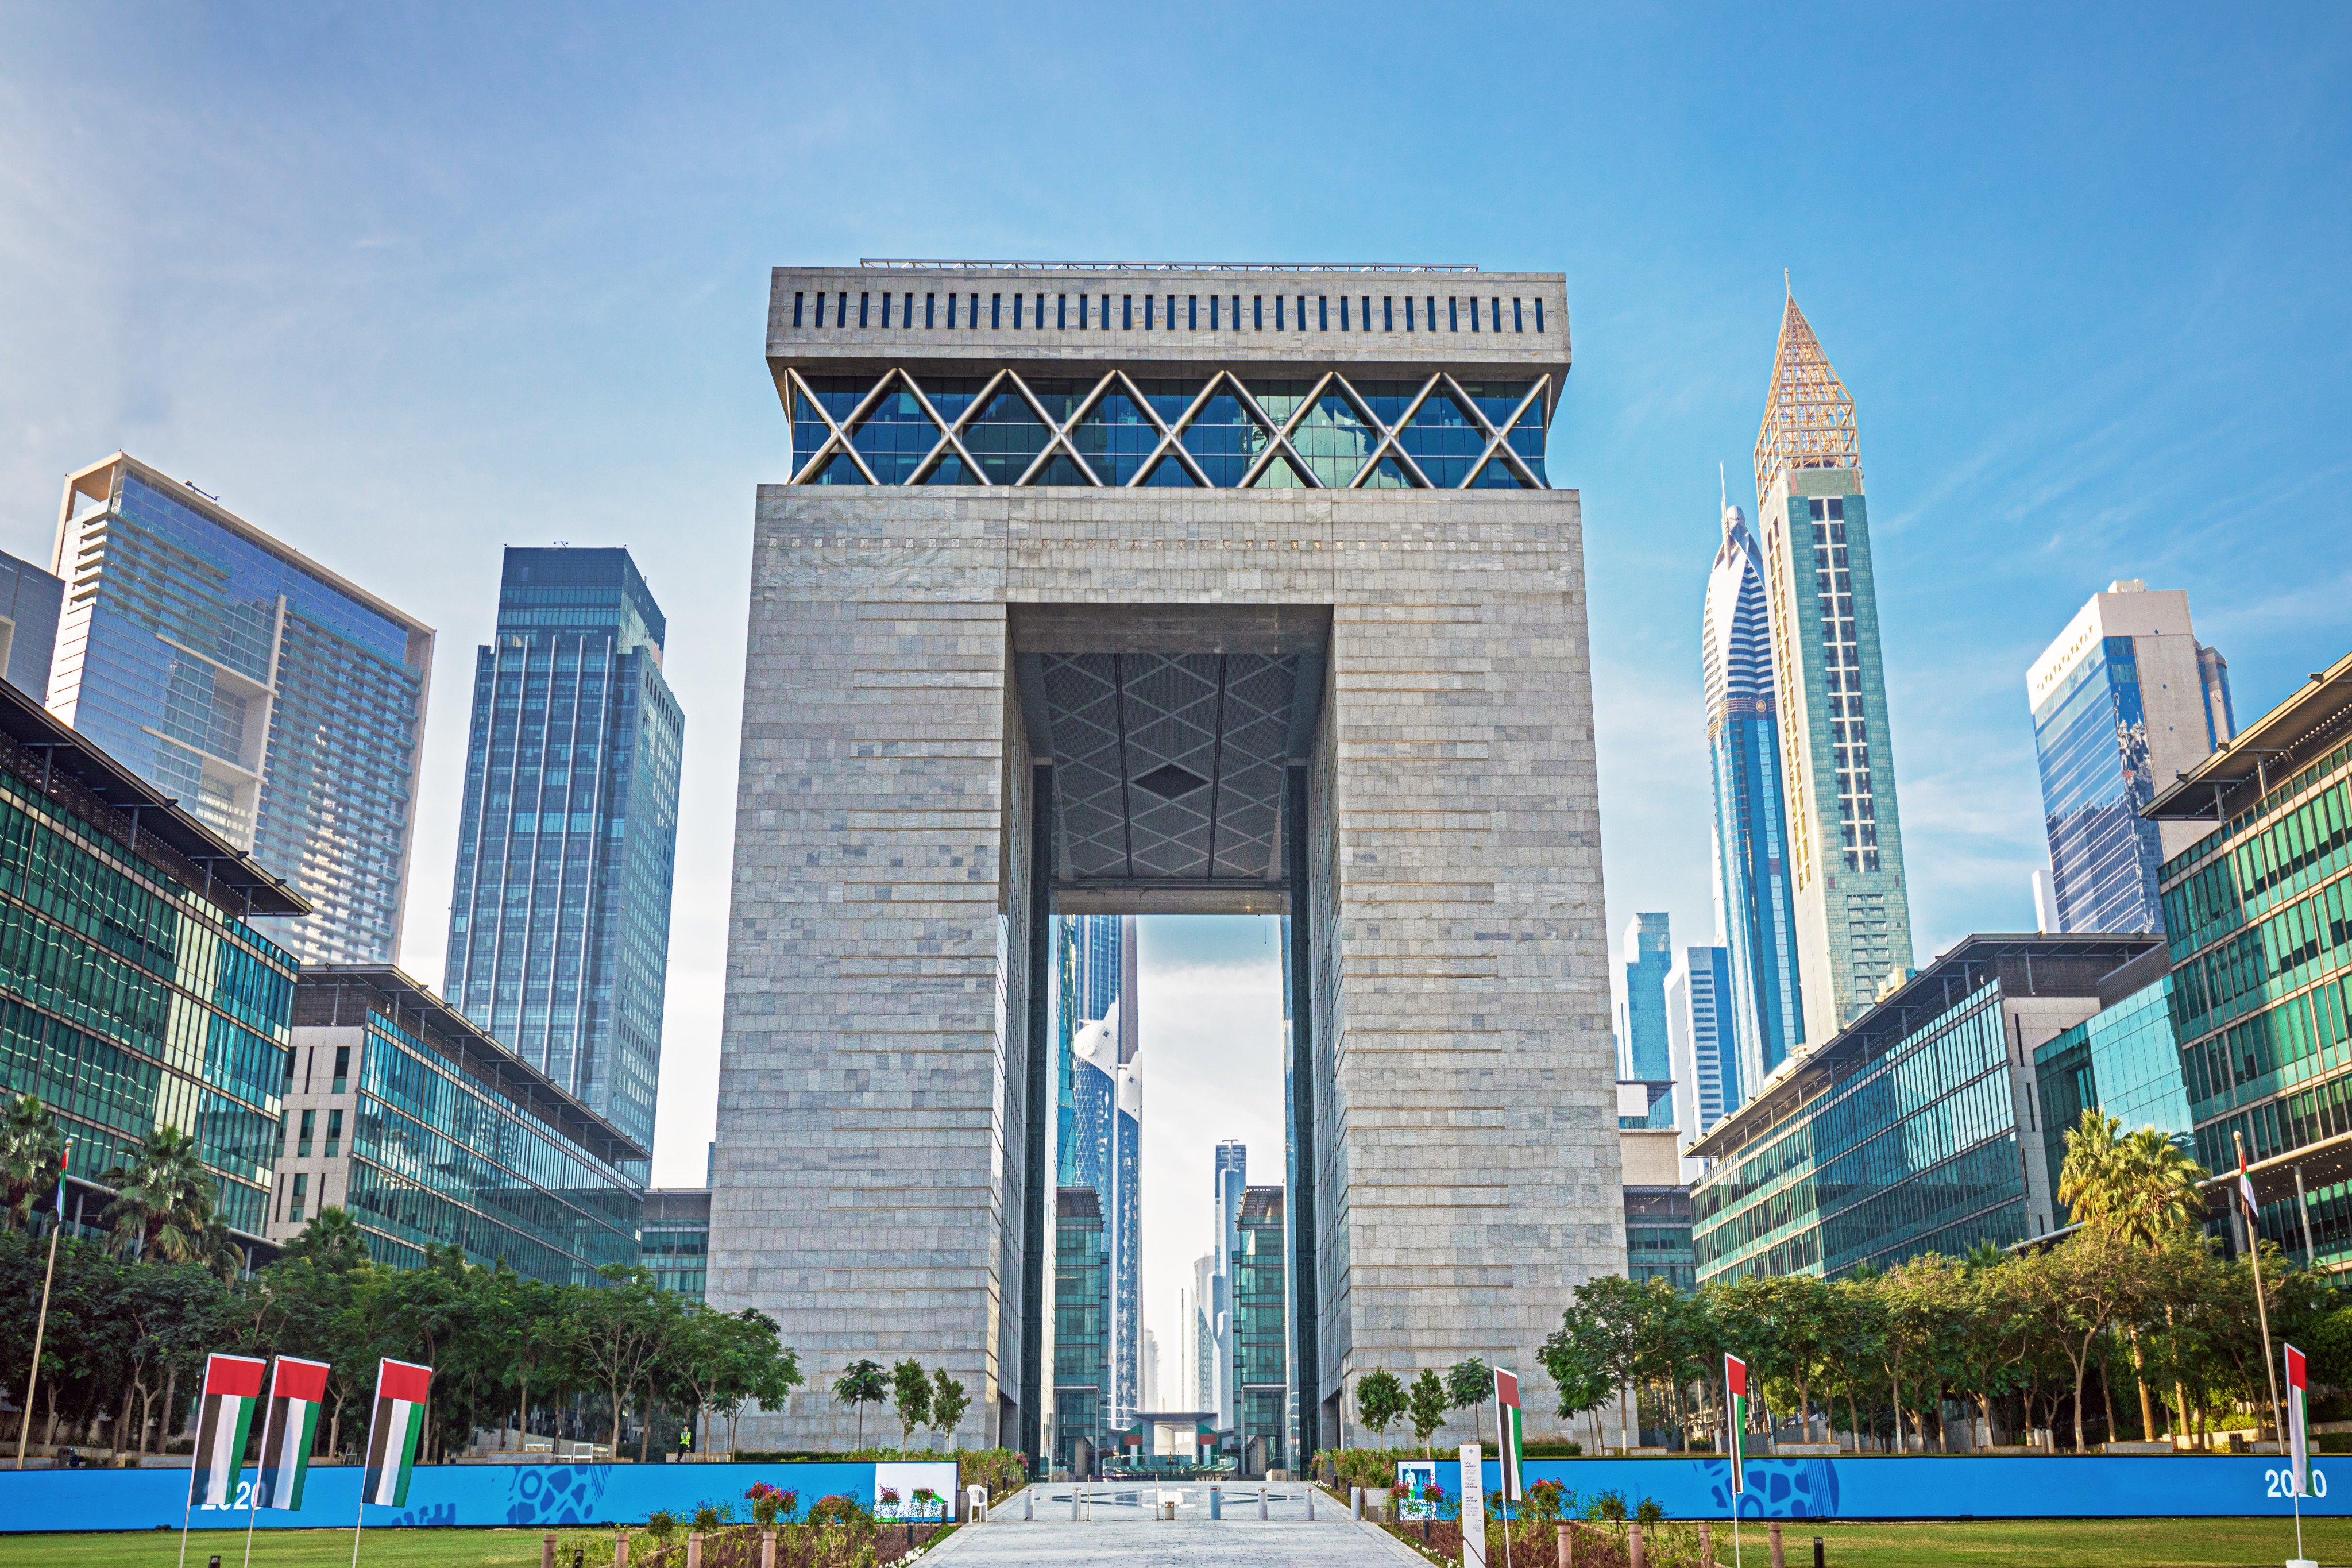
pixel 405 285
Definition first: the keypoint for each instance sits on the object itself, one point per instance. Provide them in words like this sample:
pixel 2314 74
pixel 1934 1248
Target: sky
pixel 404 284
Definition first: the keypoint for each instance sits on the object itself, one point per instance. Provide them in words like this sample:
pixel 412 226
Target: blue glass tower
pixel 559 923
pixel 1100 1138
pixel 1755 918
pixel 1644 1052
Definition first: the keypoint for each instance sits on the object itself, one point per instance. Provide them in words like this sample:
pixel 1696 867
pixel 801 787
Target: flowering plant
pixel 769 1503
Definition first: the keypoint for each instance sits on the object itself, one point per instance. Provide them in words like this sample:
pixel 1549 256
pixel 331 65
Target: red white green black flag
pixel 400 1387
pixel 296 1388
pixel 1735 1384
pixel 2298 1430
pixel 223 1422
pixel 1507 1429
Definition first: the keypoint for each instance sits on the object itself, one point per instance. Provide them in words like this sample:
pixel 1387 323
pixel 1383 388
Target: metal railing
pixel 966 264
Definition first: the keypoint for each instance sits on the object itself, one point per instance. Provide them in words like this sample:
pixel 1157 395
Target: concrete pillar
pixel 767 1549
pixel 547 1550
pixel 1633 1543
pixel 1705 1544
pixel 1780 1555
pixel 620 1548
pixel 1567 1546
pixel 694 1548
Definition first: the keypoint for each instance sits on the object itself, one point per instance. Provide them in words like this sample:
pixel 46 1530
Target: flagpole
pixel 33 1378
pixel 253 1498
pixel 2262 1309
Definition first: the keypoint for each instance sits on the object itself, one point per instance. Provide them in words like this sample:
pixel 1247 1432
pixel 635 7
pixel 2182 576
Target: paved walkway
pixel 1116 1526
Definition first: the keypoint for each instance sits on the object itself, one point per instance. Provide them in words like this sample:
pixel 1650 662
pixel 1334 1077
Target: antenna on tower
pixel 1786 290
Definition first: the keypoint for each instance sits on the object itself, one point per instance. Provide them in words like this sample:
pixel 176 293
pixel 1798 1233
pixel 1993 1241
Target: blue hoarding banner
pixel 1991 1487
pixel 513 1495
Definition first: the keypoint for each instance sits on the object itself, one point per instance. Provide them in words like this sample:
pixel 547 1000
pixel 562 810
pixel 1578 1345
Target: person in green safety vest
pixel 685 1440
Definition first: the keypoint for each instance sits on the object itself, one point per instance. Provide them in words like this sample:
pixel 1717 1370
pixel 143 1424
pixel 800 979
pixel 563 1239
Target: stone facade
pixel 874 1188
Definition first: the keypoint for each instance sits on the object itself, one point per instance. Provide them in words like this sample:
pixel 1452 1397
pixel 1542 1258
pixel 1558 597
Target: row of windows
pixel 2297 1030
pixel 2307 844
pixel 1224 433
pixel 2297 943
pixel 2275 799
pixel 1223 312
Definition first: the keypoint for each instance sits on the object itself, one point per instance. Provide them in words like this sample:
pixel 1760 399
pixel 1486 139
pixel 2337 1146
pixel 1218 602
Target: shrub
pixel 1611 1505
pixel 836 1509
pixel 661 1524
pixel 1648 1511
pixel 769 1504
pixel 709 1516
pixel 1549 1501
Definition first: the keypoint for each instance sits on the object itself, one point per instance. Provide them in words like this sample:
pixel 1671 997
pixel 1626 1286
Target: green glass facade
pixel 129 1001
pixel 1658 1236
pixel 1262 1329
pixel 451 1139
pixel 1081 1324
pixel 2261 916
pixel 1907 1133
pixel 674 1239
pixel 2124 1062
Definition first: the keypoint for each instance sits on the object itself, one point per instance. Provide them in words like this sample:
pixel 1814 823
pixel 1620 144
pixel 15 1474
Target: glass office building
pixel 1261 1333
pixel 674 1239
pixel 31 603
pixel 2259 916
pixel 1081 1328
pixel 134 992
pixel 1099 1131
pixel 1766 1016
pixel 1644 1050
pixel 402 1110
pixel 559 921
pixel 1658 1236
pixel 2122 1062
pixel 282 703
pixel 1919 1128
pixel 2126 696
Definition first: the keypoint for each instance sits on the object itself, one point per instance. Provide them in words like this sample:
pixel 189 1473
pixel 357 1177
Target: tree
pixel 861 1383
pixel 1426 1406
pixel 622 1334
pixel 910 1395
pixel 332 1239
pixel 2095 1278
pixel 1613 1305
pixel 1576 1356
pixel 2144 1187
pixel 1380 1400
pixel 1468 1387
pixel 30 1153
pixel 162 1199
pixel 950 1399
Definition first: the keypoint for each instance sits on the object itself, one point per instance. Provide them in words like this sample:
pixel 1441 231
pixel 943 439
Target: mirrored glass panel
pixel 1443 440
pixel 1115 438
pixel 1334 439
pixel 1005 438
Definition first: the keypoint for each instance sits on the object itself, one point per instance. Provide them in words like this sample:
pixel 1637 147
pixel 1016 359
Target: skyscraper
pixel 1201 1371
pixel 559 921
pixel 1755 918
pixel 1644 1051
pixel 31 601
pixel 2125 698
pixel 1837 764
pixel 1707 1084
pixel 1099 1134
pixel 282 705
pixel 1231 1183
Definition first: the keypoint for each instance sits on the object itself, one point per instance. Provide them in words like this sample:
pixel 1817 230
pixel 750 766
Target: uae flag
pixel 2298 1430
pixel 400 1390
pixel 1735 1385
pixel 296 1388
pixel 223 1422
pixel 1506 1431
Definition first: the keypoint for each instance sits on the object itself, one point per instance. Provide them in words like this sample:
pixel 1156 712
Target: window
pixel 1408 312
pixel 820 309
pixel 309 1125
pixel 1323 312
pixel 930 305
pixel 289 1069
pixel 1539 326
pixel 885 312
pixel 301 1191
pixel 1016 312
pixel 1518 319
pixel 906 315
pixel 841 309
pixel 863 300
pixel 285 1120
pixel 974 317
pixel 1061 312
pixel 1494 315
pixel 1454 315
pixel 1277 314
pixel 1388 313
pixel 1193 311
pixel 1147 299
pixel 1258 312
pixel 796 310
pixel 995 311
pixel 1126 312
pixel 1343 312
pixel 335 1133
pixel 343 1068
pixel 951 312
pixel 1213 312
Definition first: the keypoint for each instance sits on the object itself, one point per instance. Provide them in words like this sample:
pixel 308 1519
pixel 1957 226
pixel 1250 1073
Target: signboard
pixel 1474 1507
pixel 1419 1480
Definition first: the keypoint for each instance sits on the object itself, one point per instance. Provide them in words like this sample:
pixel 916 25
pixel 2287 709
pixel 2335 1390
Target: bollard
pixel 1216 1502
pixel 1261 1504
pixel 547 1550
pixel 1567 1548
pixel 1355 1503
pixel 1310 1502
pixel 1819 1560
pixel 767 1549
pixel 1779 1557
pixel 620 1548
pixel 1634 1542
pixel 694 1548
pixel 1074 1501
pixel 1705 1544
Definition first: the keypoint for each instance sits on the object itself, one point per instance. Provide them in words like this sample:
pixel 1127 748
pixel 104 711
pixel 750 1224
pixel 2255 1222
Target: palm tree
pixel 332 1240
pixel 2143 1187
pixel 31 1153
pixel 162 1199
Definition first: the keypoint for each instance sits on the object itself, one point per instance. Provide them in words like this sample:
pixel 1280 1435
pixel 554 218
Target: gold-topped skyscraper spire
pixel 1808 416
